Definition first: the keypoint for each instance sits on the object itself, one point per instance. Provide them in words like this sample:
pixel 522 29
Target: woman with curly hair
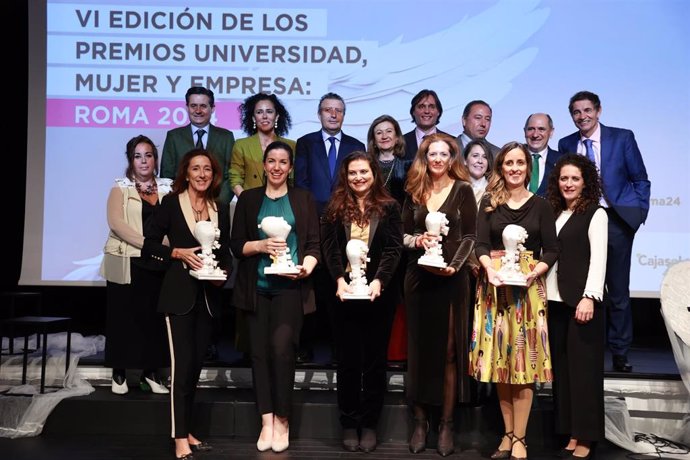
pixel 265 119
pixel 519 358
pixel 575 287
pixel 438 299
pixel 361 209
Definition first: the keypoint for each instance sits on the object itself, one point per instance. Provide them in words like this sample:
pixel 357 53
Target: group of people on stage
pixel 578 206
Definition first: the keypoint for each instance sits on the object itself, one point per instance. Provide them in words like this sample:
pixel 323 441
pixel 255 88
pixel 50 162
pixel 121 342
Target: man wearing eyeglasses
pixel 318 156
pixel 426 111
pixel 199 133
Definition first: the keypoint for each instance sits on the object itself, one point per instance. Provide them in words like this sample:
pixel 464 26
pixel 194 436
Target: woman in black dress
pixel 437 299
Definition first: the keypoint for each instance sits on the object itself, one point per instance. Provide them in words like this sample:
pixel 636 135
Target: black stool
pixel 11 302
pixel 40 325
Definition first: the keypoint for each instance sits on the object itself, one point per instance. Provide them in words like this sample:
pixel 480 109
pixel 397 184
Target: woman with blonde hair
pixel 438 299
pixel 512 356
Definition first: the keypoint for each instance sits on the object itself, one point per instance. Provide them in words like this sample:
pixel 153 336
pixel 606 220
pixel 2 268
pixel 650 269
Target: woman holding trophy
pixel 275 236
pixel 188 301
pixel 516 245
pixel 437 295
pixel 577 320
pixel 361 209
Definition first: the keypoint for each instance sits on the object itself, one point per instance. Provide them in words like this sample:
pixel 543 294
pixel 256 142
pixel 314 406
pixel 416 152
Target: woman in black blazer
pixel 361 208
pixel 575 288
pixel 189 304
pixel 274 305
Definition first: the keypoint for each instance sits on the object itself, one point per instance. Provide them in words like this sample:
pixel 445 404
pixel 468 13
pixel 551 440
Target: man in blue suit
pixel 626 198
pixel 538 132
pixel 318 156
pixel 312 152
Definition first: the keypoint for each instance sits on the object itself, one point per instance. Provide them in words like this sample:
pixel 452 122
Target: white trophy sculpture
pixel 513 237
pixel 277 227
pixel 356 251
pixel 207 234
pixel 436 225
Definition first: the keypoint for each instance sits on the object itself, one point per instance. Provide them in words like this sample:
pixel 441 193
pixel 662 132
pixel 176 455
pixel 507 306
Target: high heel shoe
pixel 153 384
pixel 119 384
pixel 262 445
pixel 418 439
pixel 517 439
pixel 503 454
pixel 201 447
pixel 446 441
pixel 279 445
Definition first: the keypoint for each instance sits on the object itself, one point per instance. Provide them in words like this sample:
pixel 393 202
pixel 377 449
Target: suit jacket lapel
pixel 322 154
pixel 373 223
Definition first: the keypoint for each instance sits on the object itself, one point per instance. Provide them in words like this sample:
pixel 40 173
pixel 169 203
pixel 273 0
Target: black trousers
pixel 189 336
pixel 362 334
pixel 274 330
pixel 577 357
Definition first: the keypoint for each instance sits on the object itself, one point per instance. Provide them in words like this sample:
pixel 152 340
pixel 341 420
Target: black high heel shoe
pixel 446 439
pixel 418 439
pixel 201 447
pixel 503 454
pixel 521 441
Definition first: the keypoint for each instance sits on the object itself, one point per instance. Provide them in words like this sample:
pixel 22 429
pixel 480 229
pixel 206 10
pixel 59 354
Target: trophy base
pixel 208 276
pixel 356 297
pixel 515 282
pixel 432 262
pixel 280 271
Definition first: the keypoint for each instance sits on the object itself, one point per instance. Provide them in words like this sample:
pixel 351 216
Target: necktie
pixel 590 150
pixel 331 155
pixel 534 180
pixel 200 134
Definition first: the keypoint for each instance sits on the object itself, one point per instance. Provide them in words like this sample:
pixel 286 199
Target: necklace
pixel 198 212
pixel 385 163
pixel 149 190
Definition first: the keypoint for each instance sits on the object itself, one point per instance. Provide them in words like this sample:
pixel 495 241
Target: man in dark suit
pixel 626 198
pixel 426 111
pixel 538 131
pixel 219 141
pixel 312 152
pixel 318 156
pixel 476 123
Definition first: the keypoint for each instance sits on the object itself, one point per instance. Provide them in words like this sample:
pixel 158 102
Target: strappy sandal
pixel 521 441
pixel 503 454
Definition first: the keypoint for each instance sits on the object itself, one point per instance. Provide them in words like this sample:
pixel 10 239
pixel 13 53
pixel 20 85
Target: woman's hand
pixel 272 246
pixel 531 276
pixel 493 277
pixel 188 256
pixel 447 271
pixel 374 289
pixel 343 288
pixel 303 273
pixel 426 240
pixel 584 312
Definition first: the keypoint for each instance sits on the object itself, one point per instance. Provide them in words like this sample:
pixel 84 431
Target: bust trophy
pixel 436 225
pixel 356 251
pixel 277 227
pixel 207 234
pixel 513 238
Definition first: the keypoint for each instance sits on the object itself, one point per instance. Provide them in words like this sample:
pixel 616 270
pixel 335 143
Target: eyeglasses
pixel 333 110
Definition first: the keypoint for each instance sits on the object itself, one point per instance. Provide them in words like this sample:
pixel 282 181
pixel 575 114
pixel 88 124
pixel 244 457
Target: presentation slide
pixel 103 72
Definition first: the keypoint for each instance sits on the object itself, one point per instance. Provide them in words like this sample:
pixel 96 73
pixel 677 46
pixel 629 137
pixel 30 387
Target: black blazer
pixel 245 228
pixel 411 144
pixel 385 246
pixel 552 157
pixel 179 289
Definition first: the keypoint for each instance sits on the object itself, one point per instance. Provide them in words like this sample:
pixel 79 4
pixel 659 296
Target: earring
pixel 275 125
pixel 254 124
